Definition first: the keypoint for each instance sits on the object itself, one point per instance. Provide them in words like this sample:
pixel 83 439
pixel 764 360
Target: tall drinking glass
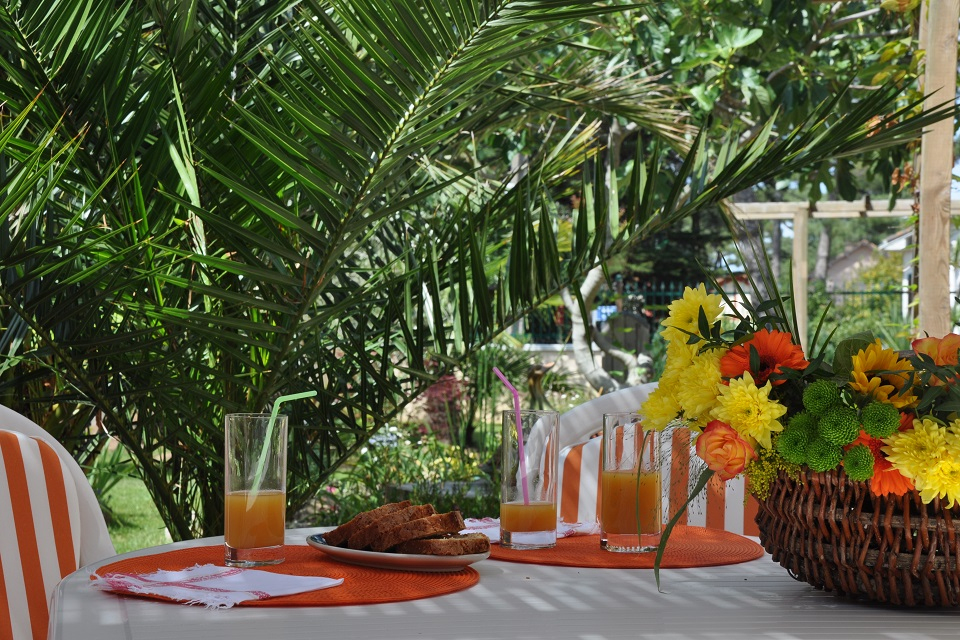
pixel 528 486
pixel 255 485
pixel 630 508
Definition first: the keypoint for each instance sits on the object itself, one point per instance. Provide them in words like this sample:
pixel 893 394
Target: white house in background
pixel 844 271
pixel 903 243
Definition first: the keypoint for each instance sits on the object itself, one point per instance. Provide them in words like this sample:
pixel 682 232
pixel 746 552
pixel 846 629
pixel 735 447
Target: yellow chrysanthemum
pixel 942 481
pixel 884 387
pixel 685 313
pixel 699 391
pixel 928 454
pixel 660 408
pixel 749 409
pixel 953 435
pixel 679 358
pixel 698 423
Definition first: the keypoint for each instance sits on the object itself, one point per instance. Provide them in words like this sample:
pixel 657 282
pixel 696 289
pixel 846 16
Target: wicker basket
pixel 835 535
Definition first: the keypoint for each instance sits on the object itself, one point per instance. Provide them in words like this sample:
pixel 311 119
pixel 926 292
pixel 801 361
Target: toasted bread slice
pixel 339 536
pixel 435 525
pixel 454 544
pixel 365 536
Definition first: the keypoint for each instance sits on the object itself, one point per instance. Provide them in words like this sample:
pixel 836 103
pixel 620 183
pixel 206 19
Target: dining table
pixel 515 601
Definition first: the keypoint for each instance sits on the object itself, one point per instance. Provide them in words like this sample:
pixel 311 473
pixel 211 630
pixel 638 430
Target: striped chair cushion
pixel 39 545
pixel 724 505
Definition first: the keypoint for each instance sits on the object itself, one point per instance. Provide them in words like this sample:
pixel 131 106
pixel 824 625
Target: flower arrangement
pixel 760 406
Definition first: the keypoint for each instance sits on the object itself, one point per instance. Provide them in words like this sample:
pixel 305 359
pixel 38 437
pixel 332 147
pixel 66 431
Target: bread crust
pixel 434 525
pixel 365 536
pixel 449 545
pixel 339 536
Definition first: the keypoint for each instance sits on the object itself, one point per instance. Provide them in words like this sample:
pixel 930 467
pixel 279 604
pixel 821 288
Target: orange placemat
pixel 361 585
pixel 687 547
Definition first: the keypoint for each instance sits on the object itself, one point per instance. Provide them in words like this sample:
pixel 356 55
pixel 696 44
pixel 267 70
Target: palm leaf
pixel 279 197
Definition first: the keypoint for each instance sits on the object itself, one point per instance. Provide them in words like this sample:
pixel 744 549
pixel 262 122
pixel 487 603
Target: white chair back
pixel 95 543
pixel 50 524
pixel 723 505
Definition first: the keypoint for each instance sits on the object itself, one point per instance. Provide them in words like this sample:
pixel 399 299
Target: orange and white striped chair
pixel 723 505
pixel 50 524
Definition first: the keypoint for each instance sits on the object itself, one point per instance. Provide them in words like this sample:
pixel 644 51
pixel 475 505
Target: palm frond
pixel 238 202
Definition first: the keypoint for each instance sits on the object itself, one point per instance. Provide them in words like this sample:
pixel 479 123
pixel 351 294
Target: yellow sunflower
pixel 887 386
pixel 685 313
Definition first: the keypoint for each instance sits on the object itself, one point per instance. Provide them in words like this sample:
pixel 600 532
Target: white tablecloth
pixel 525 602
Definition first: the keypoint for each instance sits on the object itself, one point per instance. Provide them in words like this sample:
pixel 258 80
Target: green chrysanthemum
pixel 793 442
pixel 858 463
pixel 880 419
pixel 823 455
pixel 804 420
pixel 820 396
pixel 839 425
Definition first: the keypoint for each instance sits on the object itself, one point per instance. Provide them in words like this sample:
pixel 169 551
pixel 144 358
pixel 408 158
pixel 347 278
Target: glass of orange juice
pixel 528 485
pixel 255 486
pixel 630 503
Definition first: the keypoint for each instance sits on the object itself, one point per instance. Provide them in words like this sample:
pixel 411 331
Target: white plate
pixel 397 561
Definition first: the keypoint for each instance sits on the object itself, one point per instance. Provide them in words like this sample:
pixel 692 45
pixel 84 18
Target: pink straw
pixel 516 413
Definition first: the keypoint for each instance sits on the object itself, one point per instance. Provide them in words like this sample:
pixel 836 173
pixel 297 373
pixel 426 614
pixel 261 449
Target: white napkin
pixel 212 586
pixel 490 527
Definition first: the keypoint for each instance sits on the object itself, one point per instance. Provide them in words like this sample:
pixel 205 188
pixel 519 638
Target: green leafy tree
pixel 206 206
pixel 741 61
pixel 733 66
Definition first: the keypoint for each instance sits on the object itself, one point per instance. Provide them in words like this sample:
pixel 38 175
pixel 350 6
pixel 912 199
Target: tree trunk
pixel 581 338
pixel 823 255
pixel 582 335
pixel 750 239
pixel 776 251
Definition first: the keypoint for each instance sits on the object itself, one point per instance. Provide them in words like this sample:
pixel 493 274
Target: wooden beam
pixel 765 210
pixel 939 19
pixel 800 213
pixel 827 209
pixel 799 270
pixel 762 215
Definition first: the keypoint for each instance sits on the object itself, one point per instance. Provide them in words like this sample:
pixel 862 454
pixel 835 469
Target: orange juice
pixel 535 516
pixel 621 498
pixel 260 523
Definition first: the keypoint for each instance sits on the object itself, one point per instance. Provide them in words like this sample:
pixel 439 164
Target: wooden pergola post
pixel 799 268
pixel 938 37
pixel 801 212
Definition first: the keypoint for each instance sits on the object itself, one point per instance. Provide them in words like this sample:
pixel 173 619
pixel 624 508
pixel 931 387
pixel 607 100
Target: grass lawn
pixel 136 523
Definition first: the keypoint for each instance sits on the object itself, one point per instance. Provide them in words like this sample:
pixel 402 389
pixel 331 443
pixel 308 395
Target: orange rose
pixel 724 451
pixel 943 351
